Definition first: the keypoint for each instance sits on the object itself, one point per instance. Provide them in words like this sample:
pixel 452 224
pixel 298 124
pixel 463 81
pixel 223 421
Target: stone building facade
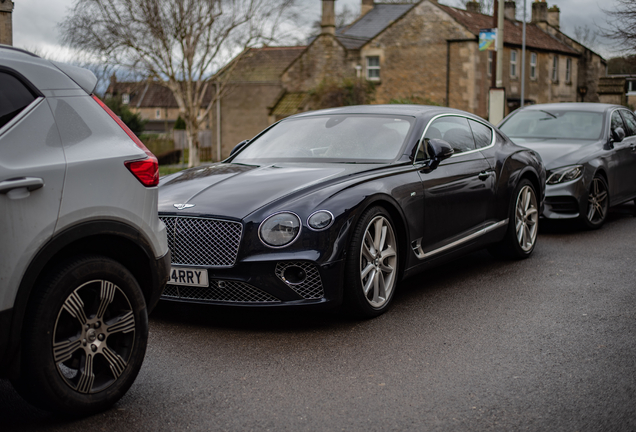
pixel 6 22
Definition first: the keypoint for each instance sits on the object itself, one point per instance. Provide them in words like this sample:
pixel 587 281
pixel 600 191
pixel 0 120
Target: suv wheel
pixel 84 338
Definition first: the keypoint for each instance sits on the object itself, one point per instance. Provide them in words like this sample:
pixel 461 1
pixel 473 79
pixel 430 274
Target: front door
pixel 458 194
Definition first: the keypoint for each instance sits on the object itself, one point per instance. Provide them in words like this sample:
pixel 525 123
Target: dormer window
pixel 125 98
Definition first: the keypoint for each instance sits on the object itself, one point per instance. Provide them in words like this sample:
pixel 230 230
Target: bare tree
pixel 179 42
pixel 622 25
pixel 585 36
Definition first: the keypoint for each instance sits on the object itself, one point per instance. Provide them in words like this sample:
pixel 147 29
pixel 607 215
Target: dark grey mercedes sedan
pixel 589 151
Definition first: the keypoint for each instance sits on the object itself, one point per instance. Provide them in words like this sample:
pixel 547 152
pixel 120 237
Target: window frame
pixel 568 70
pixel 468 119
pixel 533 65
pixel 158 113
pixel 555 68
pixel 513 63
pixel 373 68
pixel 125 98
pixel 35 92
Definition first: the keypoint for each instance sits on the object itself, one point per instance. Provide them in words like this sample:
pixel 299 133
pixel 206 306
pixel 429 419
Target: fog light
pixel 294 275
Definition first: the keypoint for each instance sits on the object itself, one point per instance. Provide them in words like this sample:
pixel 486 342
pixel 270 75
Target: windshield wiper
pixel 548 113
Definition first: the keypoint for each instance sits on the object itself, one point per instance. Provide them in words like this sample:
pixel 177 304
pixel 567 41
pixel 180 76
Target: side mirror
pixel 618 134
pixel 440 150
pixel 239 146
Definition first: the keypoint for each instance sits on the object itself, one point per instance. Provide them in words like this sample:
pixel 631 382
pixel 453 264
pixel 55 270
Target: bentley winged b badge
pixel 183 206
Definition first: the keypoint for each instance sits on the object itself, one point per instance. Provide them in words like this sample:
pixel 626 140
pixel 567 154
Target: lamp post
pixel 523 58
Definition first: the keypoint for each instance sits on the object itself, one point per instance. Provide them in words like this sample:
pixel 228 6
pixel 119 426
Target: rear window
pixel 14 97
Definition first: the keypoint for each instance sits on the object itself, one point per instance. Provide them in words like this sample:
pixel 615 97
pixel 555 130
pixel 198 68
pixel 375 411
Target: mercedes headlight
pixel 565 174
pixel 279 229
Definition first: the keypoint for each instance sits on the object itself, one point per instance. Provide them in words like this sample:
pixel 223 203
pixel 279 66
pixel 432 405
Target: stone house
pixel 426 52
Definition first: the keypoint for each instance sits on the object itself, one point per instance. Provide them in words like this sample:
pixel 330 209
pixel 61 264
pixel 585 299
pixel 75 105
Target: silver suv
pixel 83 256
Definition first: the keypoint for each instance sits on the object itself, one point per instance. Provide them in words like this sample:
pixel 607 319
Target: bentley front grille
pixel 220 291
pixel 309 286
pixel 203 242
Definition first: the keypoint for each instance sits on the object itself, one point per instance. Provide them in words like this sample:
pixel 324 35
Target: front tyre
pixel 597 204
pixel 372 264
pixel 523 224
pixel 84 338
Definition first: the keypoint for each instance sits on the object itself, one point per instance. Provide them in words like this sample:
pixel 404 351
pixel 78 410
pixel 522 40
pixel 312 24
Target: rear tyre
pixel 523 224
pixel 372 265
pixel 597 204
pixel 84 338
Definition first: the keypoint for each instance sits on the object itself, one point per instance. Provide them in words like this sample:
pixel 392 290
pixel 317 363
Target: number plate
pixel 188 276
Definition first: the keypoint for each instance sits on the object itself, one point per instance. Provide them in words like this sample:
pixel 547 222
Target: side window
pixel 630 122
pixel 453 130
pixel 481 133
pixel 14 97
pixel 617 121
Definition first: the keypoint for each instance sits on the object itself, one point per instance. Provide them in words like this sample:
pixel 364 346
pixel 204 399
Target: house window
pixel 373 68
pixel 490 55
pixel 125 98
pixel 568 70
pixel 513 64
pixel 158 113
pixel 533 65
pixel 631 87
pixel 555 68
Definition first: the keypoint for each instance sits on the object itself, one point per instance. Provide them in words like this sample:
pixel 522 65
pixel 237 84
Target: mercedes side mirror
pixel 239 146
pixel 618 134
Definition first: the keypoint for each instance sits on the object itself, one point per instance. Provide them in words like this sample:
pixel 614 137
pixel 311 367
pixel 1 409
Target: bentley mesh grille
pixel 220 291
pixel 311 287
pixel 205 242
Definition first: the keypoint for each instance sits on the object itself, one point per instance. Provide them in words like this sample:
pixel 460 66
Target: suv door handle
pixel 485 174
pixel 30 183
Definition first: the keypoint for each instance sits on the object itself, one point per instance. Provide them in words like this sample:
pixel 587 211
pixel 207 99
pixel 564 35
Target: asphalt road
pixel 548 343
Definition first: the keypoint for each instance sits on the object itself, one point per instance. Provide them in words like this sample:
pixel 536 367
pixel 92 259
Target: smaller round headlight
pixel 279 229
pixel 320 220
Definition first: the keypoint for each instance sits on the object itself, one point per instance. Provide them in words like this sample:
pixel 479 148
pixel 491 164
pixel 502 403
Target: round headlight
pixel 279 229
pixel 320 220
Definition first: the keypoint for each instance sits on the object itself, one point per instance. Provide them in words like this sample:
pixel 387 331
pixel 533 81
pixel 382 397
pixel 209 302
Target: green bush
pixel 337 93
pixel 134 121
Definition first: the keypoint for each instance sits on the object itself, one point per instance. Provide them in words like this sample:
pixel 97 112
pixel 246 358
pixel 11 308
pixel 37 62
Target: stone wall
pixel 325 57
pixel 6 25
pixel 244 113
pixel 612 90
pixel 413 60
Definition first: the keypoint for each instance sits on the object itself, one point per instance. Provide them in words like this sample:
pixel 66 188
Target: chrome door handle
pixel 485 174
pixel 30 183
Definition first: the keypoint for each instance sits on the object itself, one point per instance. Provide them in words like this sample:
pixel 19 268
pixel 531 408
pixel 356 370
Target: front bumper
pixel 566 200
pixel 263 284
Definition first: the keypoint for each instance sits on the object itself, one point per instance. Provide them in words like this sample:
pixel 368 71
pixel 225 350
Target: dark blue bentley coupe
pixel 336 206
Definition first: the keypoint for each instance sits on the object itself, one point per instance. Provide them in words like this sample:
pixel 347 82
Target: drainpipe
pixel 218 124
pixel 448 44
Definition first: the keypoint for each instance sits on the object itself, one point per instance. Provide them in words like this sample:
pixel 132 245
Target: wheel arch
pixel 398 217
pixel 116 240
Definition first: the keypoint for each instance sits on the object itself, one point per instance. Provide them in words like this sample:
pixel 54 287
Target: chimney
pixel 6 23
pixel 554 14
pixel 366 6
pixel 328 23
pixel 510 10
pixel 473 6
pixel 539 11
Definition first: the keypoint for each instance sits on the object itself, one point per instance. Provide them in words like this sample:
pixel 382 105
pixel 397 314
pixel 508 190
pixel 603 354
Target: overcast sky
pixel 35 22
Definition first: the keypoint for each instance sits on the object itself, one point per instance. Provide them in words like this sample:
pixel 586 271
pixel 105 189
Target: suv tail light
pixel 145 170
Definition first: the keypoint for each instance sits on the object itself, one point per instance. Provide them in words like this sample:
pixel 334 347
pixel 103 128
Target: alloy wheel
pixel 598 202
pixel 378 260
pixel 94 336
pixel 526 218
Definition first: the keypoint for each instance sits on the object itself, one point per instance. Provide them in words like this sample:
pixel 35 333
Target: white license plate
pixel 188 276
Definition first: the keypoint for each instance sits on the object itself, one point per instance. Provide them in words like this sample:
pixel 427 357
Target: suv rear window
pixel 14 97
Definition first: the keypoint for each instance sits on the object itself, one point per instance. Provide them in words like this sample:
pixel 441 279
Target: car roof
pixel 390 109
pixel 573 106
pixel 45 74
